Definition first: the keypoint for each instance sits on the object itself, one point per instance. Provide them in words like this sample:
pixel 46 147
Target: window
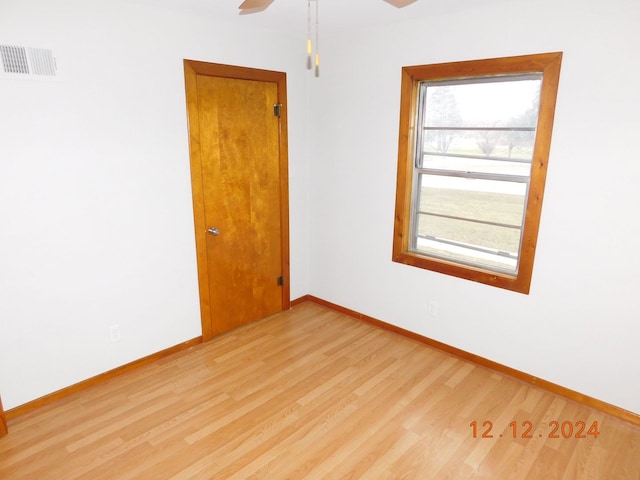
pixel 472 161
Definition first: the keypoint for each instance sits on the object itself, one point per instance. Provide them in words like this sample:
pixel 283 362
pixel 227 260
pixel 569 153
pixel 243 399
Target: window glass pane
pixel 471 220
pixel 480 235
pixel 439 247
pixel 486 118
pixel 501 142
pixel 488 102
pixel 477 165
pixel 480 200
pixel 478 128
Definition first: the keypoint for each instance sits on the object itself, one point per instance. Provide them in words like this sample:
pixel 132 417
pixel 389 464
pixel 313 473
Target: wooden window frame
pixel 547 64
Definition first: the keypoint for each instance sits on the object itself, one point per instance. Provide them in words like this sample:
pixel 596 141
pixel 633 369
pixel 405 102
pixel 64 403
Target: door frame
pixel 193 68
pixel 3 421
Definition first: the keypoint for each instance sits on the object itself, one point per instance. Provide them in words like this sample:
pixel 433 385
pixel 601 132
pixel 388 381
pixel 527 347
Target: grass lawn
pixel 485 206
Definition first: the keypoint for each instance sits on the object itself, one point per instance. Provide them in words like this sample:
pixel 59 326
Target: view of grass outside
pixel 492 207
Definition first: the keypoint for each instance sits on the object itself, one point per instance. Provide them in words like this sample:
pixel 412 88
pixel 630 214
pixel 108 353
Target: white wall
pixel 580 325
pixel 95 201
pixel 96 223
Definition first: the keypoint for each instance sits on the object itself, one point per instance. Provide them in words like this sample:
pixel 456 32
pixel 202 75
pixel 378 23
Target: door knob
pixel 213 231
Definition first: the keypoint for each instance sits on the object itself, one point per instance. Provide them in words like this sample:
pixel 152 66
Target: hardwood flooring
pixel 313 394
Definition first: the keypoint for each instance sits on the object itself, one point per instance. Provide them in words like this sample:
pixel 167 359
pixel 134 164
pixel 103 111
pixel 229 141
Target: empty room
pixel 319 239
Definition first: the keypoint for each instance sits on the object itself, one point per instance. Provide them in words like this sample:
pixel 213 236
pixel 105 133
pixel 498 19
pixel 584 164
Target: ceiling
pixel 291 15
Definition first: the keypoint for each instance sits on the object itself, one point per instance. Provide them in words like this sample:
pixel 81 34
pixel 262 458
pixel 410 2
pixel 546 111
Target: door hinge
pixel 280 280
pixel 277 109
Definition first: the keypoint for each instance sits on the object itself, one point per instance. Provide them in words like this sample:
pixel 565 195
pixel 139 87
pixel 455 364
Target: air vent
pixel 23 62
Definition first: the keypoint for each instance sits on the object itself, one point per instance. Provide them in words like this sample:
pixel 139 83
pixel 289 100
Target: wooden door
pixel 3 421
pixel 239 179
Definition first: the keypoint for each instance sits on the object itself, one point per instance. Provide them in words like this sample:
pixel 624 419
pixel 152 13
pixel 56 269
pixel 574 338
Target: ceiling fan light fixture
pixel 249 11
pixel 400 3
pixel 253 6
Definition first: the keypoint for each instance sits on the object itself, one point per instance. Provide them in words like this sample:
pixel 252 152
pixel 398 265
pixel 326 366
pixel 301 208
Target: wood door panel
pixel 239 145
pixel 3 420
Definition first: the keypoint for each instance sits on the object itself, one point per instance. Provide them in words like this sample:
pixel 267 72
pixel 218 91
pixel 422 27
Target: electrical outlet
pixel 114 333
pixel 432 308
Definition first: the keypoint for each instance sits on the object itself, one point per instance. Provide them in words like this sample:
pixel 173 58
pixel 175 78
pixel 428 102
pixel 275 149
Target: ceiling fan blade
pixel 254 6
pixel 400 3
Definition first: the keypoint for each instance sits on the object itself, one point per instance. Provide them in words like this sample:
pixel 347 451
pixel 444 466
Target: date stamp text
pixel 565 429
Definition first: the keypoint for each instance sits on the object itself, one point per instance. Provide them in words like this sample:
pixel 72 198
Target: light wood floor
pixel 313 394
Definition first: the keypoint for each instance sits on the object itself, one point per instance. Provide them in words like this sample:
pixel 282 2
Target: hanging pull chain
pixel 311 59
pixel 317 43
pixel 309 46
